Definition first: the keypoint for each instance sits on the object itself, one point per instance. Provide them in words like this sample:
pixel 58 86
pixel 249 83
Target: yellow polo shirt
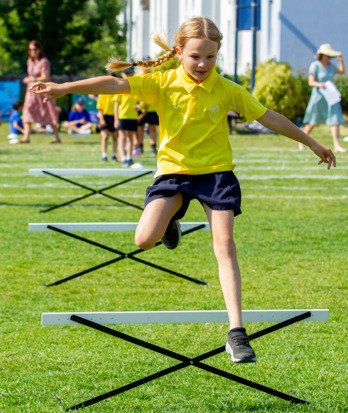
pixel 193 136
pixel 106 103
pixel 150 108
pixel 126 106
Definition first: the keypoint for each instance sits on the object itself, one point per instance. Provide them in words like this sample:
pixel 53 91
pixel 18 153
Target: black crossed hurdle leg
pixel 122 256
pixel 186 361
pixel 95 191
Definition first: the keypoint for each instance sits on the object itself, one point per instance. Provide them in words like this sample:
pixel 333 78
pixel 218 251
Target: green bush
pixel 342 86
pixel 240 78
pixel 305 92
pixel 278 89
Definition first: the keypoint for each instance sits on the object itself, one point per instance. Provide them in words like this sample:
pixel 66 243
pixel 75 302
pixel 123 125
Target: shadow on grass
pixel 275 406
pixel 79 142
pixel 11 204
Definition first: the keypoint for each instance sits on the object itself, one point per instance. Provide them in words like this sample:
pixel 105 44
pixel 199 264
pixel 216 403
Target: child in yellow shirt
pixel 126 121
pixel 106 110
pixel 195 159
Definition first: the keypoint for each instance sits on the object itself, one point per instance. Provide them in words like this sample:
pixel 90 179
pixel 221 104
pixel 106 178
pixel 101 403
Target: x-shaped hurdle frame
pixel 96 320
pixel 65 228
pixel 58 173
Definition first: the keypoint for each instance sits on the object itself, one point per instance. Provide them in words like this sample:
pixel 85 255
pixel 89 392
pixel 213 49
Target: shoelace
pixel 239 341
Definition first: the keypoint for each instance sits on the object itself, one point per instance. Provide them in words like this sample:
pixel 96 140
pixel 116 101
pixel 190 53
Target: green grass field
pixel 292 243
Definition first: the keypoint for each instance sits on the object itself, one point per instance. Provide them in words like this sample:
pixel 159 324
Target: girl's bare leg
pixel 221 224
pixel 335 132
pixel 129 144
pixel 122 145
pixel 104 143
pixel 153 138
pixel 155 219
pixel 141 134
pixel 153 134
pixel 27 130
pixel 56 133
pixel 114 136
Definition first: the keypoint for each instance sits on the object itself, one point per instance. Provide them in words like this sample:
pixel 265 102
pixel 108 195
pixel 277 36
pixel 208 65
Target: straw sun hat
pixel 327 50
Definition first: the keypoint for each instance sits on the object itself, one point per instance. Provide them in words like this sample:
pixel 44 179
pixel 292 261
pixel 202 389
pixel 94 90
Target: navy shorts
pixel 109 123
pixel 219 191
pixel 128 124
pixel 151 118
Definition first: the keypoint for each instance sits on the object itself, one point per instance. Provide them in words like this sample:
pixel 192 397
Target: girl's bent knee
pixel 143 242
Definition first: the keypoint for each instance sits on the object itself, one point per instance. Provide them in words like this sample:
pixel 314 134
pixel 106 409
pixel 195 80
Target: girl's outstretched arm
pixel 280 124
pixel 107 85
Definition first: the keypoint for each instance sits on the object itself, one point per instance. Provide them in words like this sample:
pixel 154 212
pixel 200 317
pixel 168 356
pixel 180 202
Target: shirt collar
pixel 189 84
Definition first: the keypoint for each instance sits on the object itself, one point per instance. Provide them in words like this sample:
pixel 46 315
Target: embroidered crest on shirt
pixel 214 109
pixel 176 107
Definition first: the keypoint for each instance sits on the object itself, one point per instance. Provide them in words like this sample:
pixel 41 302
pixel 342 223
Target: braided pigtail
pixel 115 65
pixel 161 41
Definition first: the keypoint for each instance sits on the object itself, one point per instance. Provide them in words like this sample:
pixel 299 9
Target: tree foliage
pixel 278 89
pixel 77 36
pixel 342 85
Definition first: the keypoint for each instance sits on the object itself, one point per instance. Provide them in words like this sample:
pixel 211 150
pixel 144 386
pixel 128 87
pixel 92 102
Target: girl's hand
pixel 28 79
pixel 325 155
pixel 141 116
pixel 49 90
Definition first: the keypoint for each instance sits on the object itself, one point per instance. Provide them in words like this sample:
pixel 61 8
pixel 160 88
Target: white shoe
pixel 136 165
pixel 340 149
pixel 85 132
pixel 49 129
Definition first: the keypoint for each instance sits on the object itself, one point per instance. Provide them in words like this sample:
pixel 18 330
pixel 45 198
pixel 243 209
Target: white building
pixel 291 30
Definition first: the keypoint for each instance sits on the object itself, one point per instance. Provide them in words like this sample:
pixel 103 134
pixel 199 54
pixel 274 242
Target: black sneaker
pixel 104 158
pixel 238 346
pixel 172 235
pixel 114 158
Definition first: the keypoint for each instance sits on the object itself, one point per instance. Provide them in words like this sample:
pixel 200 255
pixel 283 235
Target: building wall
pixel 291 30
pixel 305 24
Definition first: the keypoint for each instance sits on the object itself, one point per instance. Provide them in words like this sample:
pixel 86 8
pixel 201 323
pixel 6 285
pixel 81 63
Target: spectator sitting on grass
pixel 79 119
pixel 16 124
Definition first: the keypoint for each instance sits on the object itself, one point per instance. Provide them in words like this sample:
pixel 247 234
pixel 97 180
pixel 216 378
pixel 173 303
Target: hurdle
pixel 59 172
pixel 68 230
pixel 97 321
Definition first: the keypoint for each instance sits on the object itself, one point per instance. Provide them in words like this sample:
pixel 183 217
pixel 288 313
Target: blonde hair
pixel 197 27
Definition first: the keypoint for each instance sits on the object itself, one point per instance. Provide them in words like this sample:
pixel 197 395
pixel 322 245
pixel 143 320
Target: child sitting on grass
pixel 16 124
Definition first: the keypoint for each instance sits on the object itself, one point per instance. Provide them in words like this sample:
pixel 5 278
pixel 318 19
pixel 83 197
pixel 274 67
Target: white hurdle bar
pixel 70 228
pixel 173 317
pixel 103 226
pixel 119 174
pixel 96 321
pixel 86 171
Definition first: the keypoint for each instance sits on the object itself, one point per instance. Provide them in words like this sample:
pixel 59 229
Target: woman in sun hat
pixel 318 111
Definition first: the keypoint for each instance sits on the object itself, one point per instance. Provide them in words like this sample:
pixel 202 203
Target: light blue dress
pixel 318 111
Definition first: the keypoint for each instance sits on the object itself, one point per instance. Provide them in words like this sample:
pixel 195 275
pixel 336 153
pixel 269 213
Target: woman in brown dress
pixel 34 110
